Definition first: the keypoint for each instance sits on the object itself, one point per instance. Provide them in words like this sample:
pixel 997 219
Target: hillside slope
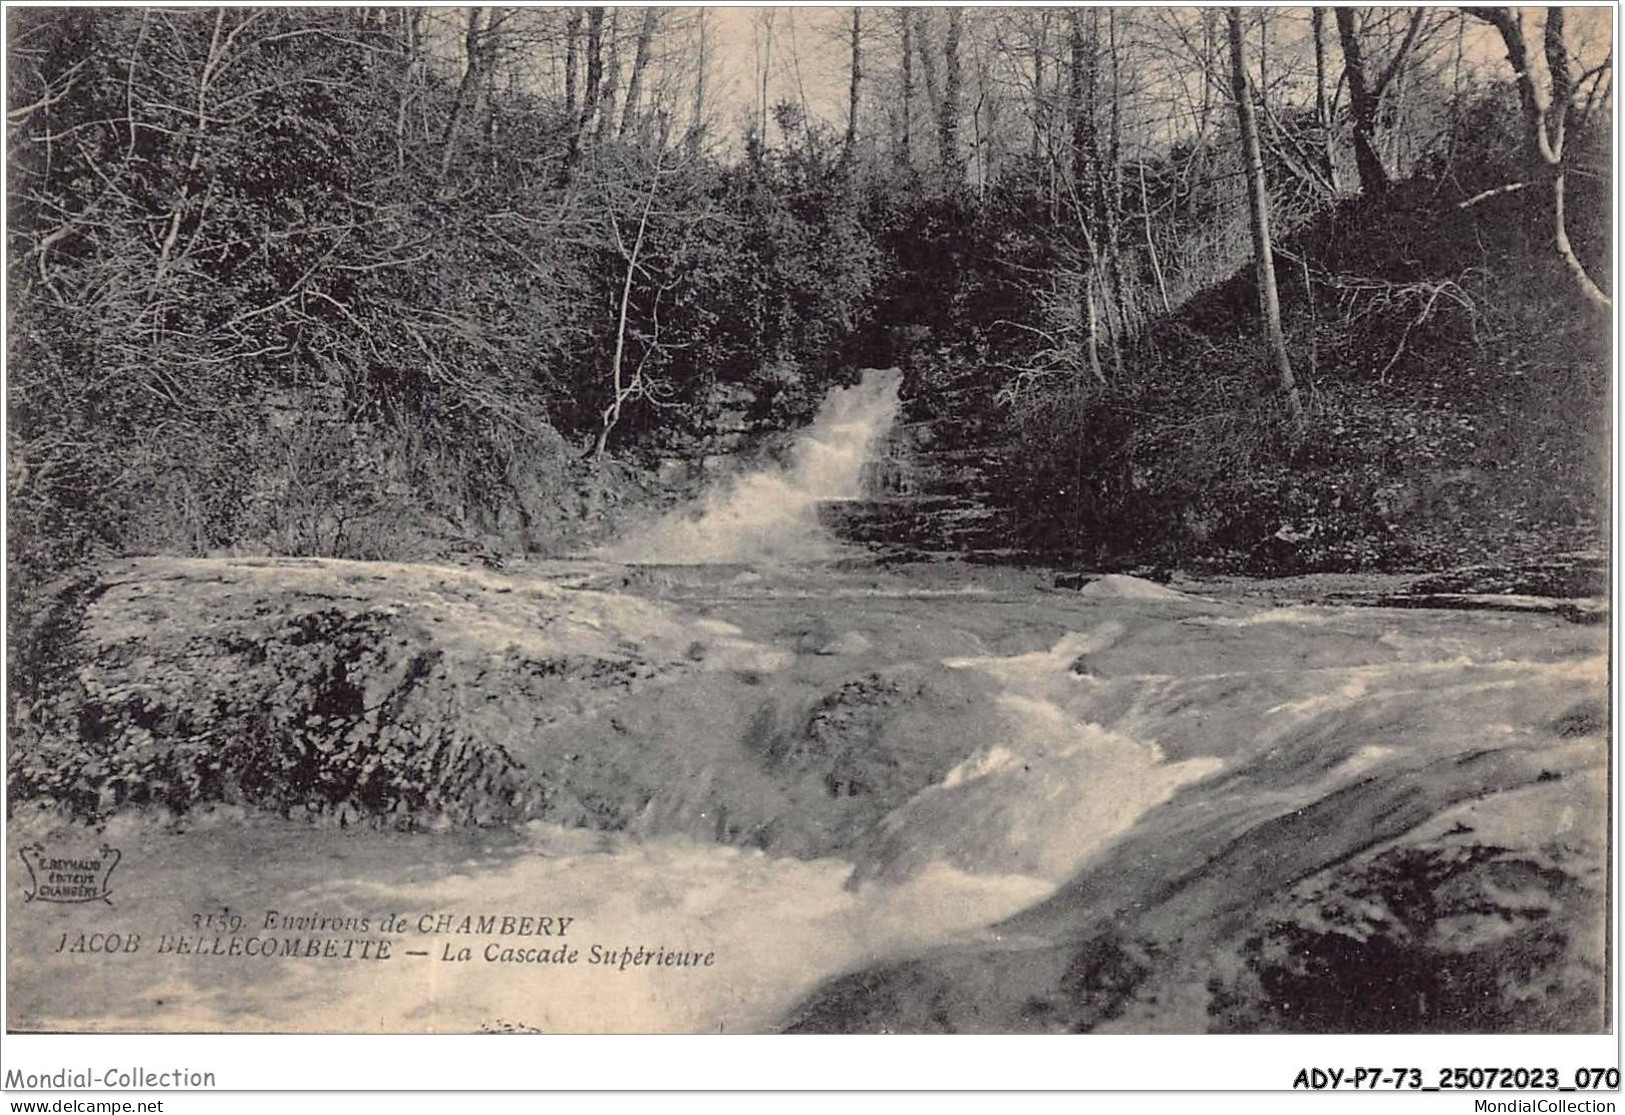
pixel 1456 389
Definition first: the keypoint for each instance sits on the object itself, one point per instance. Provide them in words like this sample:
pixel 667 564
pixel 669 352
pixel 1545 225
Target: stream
pixel 946 782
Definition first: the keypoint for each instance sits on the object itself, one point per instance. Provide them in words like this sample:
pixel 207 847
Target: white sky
pixel 809 58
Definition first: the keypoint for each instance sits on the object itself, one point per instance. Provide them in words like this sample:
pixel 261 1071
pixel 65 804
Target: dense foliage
pixel 314 281
pixel 270 294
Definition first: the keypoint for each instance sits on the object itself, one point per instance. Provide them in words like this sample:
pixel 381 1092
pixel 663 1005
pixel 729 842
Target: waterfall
pixel 771 515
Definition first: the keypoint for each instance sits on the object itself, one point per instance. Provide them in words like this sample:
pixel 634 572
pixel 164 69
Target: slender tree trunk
pixel 634 88
pixel 697 131
pixel 1075 105
pixel 1546 123
pixel 612 78
pixel 412 41
pixel 953 170
pixel 907 16
pixel 619 392
pixel 1038 89
pixel 1085 172
pixel 1101 246
pixel 572 51
pixel 766 64
pixel 1365 97
pixel 1374 178
pixel 1199 157
pixel 1323 109
pixel 928 66
pixel 1263 51
pixel 487 103
pixel 1151 246
pixel 1395 156
pixel 1091 121
pixel 1094 327
pixel 1114 196
pixel 853 96
pixel 590 88
pixel 1258 204
pixel 1589 290
pixel 467 90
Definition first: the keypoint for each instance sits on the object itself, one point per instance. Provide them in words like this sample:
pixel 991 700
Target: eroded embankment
pixel 1211 815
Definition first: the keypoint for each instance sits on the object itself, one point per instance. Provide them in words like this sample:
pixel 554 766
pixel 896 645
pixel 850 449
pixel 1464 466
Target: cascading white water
pixel 772 515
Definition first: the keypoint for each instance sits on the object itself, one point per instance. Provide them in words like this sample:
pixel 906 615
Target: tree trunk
pixel 1323 108
pixel 1094 327
pixel 766 68
pixel 1038 89
pixel 908 87
pixel 487 101
pixel 1258 204
pixel 619 392
pixel 1546 123
pixel 1151 246
pixel 612 78
pixel 1075 106
pixel 857 80
pixel 634 88
pixel 411 70
pixel 1588 289
pixel 928 64
pixel 1199 155
pixel 697 131
pixel 1365 97
pixel 1374 178
pixel 595 75
pixel 1113 183
pixel 1085 143
pixel 572 51
pixel 467 90
pixel 953 171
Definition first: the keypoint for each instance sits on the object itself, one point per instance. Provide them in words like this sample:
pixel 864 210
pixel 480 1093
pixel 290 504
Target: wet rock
pixel 345 689
pixel 817 637
pixel 1119 586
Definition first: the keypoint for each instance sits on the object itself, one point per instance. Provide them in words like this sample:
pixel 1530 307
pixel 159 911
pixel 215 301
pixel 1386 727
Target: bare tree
pixel 857 79
pixel 1079 117
pixel 928 65
pixel 762 26
pixel 702 60
pixel 1085 174
pixel 953 170
pixel 1040 102
pixel 1259 210
pixel 1547 116
pixel 906 149
pixel 411 80
pixel 590 90
pixel 610 91
pixel 572 50
pixel 468 90
pixel 1111 193
pixel 1323 104
pixel 624 388
pixel 634 88
pixel 1365 97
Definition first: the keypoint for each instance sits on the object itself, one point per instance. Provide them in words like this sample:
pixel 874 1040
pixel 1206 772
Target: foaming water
pixel 1047 791
pixel 774 928
pixel 772 515
pixel 1127 740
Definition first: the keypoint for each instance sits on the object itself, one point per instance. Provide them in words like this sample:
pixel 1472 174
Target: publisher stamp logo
pixel 70 877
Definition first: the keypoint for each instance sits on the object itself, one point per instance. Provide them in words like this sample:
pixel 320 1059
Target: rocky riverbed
pixel 912 798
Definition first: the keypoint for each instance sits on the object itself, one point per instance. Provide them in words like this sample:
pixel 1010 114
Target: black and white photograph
pixel 976 520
